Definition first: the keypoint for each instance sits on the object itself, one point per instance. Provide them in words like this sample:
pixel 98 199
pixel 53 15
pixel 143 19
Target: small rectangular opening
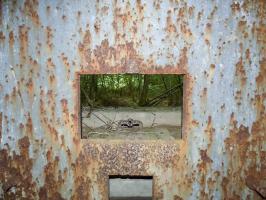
pixel 130 187
pixel 131 106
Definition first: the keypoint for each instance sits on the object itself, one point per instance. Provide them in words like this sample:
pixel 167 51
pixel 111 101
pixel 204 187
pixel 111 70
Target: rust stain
pixel 203 98
pixel 207 35
pixel 195 123
pixel 48 9
pixel 261 78
pixel 65 111
pixel 176 197
pixel 187 105
pixel 49 63
pixel 66 64
pixel 182 22
pixel 30 86
pixel 105 58
pixel 140 6
pixel 49 37
pixel 51 102
pixel 239 137
pixel 1 12
pixel 11 39
pixel 15 172
pixel 248 58
pixel 2 37
pixel 64 18
pixel 23 41
pixel 31 9
pixel 241 72
pixel 170 26
pixel 242 26
pixel 82 183
pixel 235 7
pixel 29 126
pixel 97 26
pixel 53 179
pixel 1 125
pixel 238 97
pixel 238 147
pixel 203 166
pixel 257 183
pixel 209 131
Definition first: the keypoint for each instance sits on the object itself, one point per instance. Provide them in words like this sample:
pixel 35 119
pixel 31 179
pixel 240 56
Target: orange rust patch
pixel 87 39
pixel 15 172
pixel 243 161
pixel 247 53
pixel 48 9
pixel 203 166
pixel 238 97
pixel 235 7
pixel 65 111
pixel 241 72
pixel 82 183
pixel 2 37
pixel 23 41
pixel 204 156
pixel 176 197
pixel 50 63
pixel 81 188
pixel 97 26
pixel 203 97
pixel 122 58
pixel 170 26
pixel 195 123
pixel 1 12
pixel 1 125
pixel 207 35
pixel 49 36
pixel 261 78
pixel 30 87
pixel 51 102
pixel 11 39
pixel 30 9
pixel 257 183
pixel 239 136
pixel 105 58
pixel 242 26
pixel 29 126
pixel 66 64
pixel 209 131
pixel 53 181
pixel 140 7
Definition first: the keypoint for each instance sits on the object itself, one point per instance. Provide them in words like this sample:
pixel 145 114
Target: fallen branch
pixel 162 96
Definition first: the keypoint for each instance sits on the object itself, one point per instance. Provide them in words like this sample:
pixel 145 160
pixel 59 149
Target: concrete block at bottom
pixel 130 187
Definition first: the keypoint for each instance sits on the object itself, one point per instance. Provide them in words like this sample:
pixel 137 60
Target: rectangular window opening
pixel 130 187
pixel 131 106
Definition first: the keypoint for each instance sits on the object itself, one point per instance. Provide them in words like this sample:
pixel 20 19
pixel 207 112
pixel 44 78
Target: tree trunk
pixel 93 87
pixel 144 92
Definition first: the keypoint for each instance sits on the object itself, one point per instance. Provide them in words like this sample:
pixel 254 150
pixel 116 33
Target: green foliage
pixel 131 90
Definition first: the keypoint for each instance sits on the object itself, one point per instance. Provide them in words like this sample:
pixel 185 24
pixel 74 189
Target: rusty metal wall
pixel 219 45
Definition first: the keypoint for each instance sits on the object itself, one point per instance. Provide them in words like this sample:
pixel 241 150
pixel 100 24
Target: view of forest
pixel 131 90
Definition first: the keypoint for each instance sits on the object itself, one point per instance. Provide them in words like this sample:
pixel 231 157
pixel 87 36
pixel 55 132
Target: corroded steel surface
pixel 219 45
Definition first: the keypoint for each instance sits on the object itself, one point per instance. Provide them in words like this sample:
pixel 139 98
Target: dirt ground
pixel 151 133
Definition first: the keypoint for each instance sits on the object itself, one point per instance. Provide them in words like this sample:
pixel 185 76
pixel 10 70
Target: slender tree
pixel 144 92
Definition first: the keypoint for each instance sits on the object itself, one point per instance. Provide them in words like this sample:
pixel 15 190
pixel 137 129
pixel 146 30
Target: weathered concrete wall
pixel 219 45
